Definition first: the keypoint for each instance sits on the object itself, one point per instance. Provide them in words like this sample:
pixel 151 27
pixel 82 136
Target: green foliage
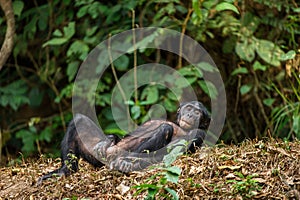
pixel 157 185
pixel 286 118
pixel 246 187
pixel 245 38
pixel 14 94
pixel 30 137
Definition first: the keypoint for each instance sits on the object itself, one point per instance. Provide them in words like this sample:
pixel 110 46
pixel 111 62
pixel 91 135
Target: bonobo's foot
pixel 100 149
pixel 129 164
pixel 121 165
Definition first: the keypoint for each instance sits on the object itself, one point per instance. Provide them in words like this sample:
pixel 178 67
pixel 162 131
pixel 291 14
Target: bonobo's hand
pixel 100 149
pixel 197 134
pixel 196 137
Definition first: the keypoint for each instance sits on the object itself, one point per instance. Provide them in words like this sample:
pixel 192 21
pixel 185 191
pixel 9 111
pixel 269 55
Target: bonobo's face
pixel 192 115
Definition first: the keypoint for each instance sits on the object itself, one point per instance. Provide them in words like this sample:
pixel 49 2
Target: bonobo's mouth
pixel 185 124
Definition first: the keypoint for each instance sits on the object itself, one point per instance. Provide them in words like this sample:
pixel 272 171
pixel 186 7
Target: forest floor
pixel 251 170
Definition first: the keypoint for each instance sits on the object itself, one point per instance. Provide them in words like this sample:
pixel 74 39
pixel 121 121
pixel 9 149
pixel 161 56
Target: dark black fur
pixel 150 137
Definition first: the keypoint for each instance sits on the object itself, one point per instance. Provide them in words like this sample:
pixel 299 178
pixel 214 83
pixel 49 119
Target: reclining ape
pixel 136 150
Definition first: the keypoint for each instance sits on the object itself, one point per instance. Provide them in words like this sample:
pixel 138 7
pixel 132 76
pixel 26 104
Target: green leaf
pixel 245 50
pixel 69 30
pixel 288 56
pixel 144 42
pixel 57 33
pixel 173 193
pixel 174 169
pixel 240 70
pixel 35 97
pixel 169 105
pixel 28 140
pixel 46 134
pixel 135 111
pixel 55 41
pixel 18 7
pixel 209 88
pixel 122 63
pixel 172 96
pixel 269 52
pixel 171 177
pixel 245 89
pixel 258 66
pixel 191 80
pixel 206 67
pixel 151 93
pixel 269 101
pixel 79 49
pixel 226 6
pixel 72 70
pixel 296 124
pixel 175 152
pixel 191 71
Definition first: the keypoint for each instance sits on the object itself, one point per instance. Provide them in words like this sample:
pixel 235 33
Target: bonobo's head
pixel 192 115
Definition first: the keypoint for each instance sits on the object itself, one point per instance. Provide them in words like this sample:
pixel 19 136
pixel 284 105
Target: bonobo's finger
pixel 126 166
pixel 112 165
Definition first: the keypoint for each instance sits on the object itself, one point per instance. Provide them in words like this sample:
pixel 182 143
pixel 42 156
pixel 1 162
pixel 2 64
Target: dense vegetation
pixel 254 43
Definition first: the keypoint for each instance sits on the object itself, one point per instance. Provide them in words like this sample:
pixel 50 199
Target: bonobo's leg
pixel 81 136
pixel 144 154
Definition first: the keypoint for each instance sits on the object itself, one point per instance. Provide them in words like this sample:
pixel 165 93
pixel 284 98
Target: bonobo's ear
pixel 205 119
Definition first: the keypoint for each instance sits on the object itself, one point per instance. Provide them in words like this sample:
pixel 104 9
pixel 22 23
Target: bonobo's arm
pixel 138 161
pixel 131 147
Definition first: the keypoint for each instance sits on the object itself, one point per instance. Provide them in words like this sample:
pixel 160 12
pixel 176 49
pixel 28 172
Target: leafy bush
pixel 251 42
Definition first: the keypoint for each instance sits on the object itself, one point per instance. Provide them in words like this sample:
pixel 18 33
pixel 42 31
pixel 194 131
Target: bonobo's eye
pixel 188 108
pixel 197 112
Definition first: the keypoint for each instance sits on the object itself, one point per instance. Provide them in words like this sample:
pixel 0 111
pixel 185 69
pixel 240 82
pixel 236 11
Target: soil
pixel 251 170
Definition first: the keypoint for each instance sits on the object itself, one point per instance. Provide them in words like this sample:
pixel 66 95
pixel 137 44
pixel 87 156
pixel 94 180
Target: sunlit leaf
pixel 135 111
pixel 269 52
pixel 226 6
pixel 258 66
pixel 245 50
pixel 245 89
pixel 240 70
pixel 209 88
pixel 56 41
pixel 173 193
pixel 288 56
pixel 269 101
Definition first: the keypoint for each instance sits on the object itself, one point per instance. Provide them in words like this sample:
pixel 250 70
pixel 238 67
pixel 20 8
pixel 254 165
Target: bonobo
pixel 138 149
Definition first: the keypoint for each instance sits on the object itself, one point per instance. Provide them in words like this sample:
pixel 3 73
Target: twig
pixel 257 132
pixel 259 102
pixel 134 58
pixel 117 80
pixel 114 69
pixel 181 37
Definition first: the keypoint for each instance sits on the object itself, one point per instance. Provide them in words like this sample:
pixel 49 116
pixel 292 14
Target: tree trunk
pixel 7 45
